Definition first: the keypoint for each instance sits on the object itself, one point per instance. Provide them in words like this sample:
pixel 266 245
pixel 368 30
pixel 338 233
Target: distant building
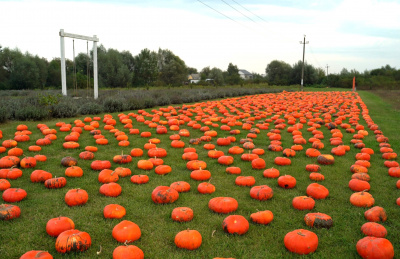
pixel 244 74
pixel 194 78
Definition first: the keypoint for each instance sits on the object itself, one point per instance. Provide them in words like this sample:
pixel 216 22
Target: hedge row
pixel 33 105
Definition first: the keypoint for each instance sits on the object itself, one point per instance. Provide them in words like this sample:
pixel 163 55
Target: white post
pixel 95 86
pixel 63 73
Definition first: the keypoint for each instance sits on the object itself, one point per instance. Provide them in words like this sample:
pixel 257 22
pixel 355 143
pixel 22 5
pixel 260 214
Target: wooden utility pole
pixel 327 70
pixel 302 69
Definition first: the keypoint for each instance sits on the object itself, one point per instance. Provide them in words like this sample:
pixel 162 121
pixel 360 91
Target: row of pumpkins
pixel 254 108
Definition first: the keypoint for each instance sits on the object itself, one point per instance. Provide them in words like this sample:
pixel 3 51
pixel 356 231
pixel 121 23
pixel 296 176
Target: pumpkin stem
pixel 39 254
pixel 99 252
pixel 212 234
pixel 300 233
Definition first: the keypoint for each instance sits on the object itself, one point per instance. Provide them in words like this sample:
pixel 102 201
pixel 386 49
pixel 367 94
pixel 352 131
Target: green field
pixel 158 230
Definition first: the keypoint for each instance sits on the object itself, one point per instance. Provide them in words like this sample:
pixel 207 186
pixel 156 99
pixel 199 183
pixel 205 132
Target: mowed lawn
pixel 28 232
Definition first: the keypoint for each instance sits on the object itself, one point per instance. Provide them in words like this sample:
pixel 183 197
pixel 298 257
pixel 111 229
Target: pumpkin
pixel 316 177
pixel 28 162
pixel 303 203
pixel 282 161
pixel 287 152
pixel 114 211
pixel 123 172
pixel 287 181
pixel 262 192
pixel 358 185
pixel 122 159
pixel 235 224
pixel 16 151
pixel 110 189
pixel 394 171
pixel 86 155
pixel 373 229
pixel 55 226
pixel 180 186
pixel 128 251
pixel 375 247
pixel 358 169
pixel 312 152
pixel 325 159
pixel 318 220
pixel 145 164
pixel 182 214
pixel 188 239
pixel 376 214
pixel 55 183
pixel 73 240
pixel 164 194
pixel 76 197
pixel 108 176
pixel 215 154
pixel 233 170
pixel 190 156
pixel 362 199
pixel 271 173
pixel 74 171
pixel 223 204
pixel 206 188
pixel 69 161
pixel 8 211
pixel 361 176
pixel 245 181
pixel 10 173
pixel 4 184
pixel 196 164
pixel 139 179
pixel 126 232
pixel 317 191
pixel 33 254
pixel 301 241
pixel 258 163
pixel 262 217
pixel 225 160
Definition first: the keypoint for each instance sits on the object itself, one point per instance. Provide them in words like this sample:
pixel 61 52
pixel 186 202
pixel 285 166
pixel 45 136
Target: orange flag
pixel 354 84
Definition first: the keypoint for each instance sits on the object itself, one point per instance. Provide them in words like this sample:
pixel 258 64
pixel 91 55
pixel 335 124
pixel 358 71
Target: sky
pixel 351 34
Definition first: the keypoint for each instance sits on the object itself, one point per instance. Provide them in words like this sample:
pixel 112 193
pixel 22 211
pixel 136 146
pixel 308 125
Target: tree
pixel 42 65
pixel 278 73
pixel 192 70
pixel 145 68
pixel 172 69
pixel 25 74
pixel 232 75
pixel 204 73
pixel 54 73
pixel 217 75
pixel 310 74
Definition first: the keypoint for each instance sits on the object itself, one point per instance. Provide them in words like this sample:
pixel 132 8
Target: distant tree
pixel 25 74
pixel 112 70
pixel 217 75
pixel 310 74
pixel 204 73
pixel 232 75
pixel 192 70
pixel 172 69
pixel 145 68
pixel 54 73
pixel 42 65
pixel 278 73
pixel 344 72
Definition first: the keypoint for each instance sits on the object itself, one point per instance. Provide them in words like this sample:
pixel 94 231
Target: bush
pixel 90 108
pixel 163 100
pixel 3 114
pixel 114 104
pixel 31 113
pixel 64 110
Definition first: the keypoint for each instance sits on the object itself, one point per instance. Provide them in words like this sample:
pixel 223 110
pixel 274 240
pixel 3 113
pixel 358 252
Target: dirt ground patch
pixel 391 96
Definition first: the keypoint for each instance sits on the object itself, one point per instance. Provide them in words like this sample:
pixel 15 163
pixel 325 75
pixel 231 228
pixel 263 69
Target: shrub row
pixel 32 105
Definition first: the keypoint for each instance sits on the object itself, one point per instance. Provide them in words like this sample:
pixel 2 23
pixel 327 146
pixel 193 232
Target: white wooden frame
pixel 63 72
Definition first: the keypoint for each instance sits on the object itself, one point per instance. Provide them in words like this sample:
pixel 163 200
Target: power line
pixel 249 11
pixel 238 11
pixel 221 13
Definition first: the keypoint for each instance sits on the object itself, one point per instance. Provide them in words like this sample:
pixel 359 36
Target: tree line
pixel 163 68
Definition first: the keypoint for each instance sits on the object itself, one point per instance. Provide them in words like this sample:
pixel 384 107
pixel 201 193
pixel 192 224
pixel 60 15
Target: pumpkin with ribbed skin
pixel 164 194
pixel 235 224
pixel 262 192
pixel 14 195
pixel 200 175
pixel 325 159
pixel 362 199
pixel 223 204
pixel 258 163
pixel 140 179
pixel 318 220
pixel 361 176
pixel 182 214
pixel 188 239
pixel 110 189
pixel 55 183
pixel 287 181
pixel 271 173
pixel 233 170
pixel 206 188
pixel 262 217
pixel 126 232
pixel 8 211
pixel 4 184
pixel 301 241
pixel 282 161
pixel 245 181
pixel 128 252
pixel 359 185
pixel 180 186
pixel 373 229
pixel 69 161
pixel 375 248
pixel 376 214
pixel 196 164
pixel 114 211
pixel 36 254
pixel 316 177
pixel 74 171
pixel 303 203
pixel 317 191
pixel 73 240
pixel 76 197
pixel 56 226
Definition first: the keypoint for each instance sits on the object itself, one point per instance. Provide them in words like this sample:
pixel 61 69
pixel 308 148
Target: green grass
pixel 158 230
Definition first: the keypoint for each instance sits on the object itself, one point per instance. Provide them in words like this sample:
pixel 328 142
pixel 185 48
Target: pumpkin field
pixel 271 175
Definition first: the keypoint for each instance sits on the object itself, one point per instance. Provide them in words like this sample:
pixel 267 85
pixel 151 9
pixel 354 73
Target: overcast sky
pixel 352 34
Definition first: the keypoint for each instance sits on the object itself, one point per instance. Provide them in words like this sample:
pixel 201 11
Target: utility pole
pixel 327 70
pixel 302 69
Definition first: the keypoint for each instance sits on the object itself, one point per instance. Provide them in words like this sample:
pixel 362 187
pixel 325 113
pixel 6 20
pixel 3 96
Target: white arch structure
pixel 63 72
